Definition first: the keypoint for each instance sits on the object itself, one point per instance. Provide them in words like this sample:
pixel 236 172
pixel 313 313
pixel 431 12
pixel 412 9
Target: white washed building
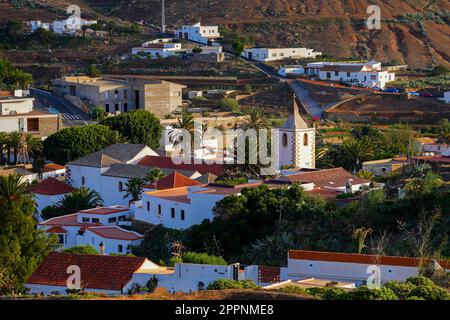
pixel 49 192
pixel 274 54
pixel 198 33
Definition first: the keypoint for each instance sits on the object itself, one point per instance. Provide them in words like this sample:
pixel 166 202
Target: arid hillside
pixel 335 27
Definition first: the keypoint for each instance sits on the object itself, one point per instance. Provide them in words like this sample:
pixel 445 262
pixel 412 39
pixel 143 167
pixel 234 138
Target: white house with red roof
pixel 48 192
pixel 52 170
pixel 94 227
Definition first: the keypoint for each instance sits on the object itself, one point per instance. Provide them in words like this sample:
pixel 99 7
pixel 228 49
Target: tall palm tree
pixel 14 143
pixel 3 143
pixel 34 146
pixel 365 174
pixel 114 138
pixel 186 122
pixel 80 199
pixel 12 187
pixel 255 119
pixel 356 151
pixel 154 176
pixel 133 189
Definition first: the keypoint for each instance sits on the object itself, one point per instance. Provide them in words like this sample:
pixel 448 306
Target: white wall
pixel 92 176
pixel 16 106
pixel 110 191
pixel 53 174
pixel 370 79
pixel 274 54
pixel 447 97
pixel 47 290
pixel 111 245
pixel 43 200
pixel 344 271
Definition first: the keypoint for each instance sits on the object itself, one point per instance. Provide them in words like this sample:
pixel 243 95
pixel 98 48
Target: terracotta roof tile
pixel 105 210
pixel 167 162
pixel 56 230
pixel 97 271
pixel 49 167
pixel 66 220
pixel 359 258
pixel 51 186
pixel 173 180
pixel 332 178
pixel 115 232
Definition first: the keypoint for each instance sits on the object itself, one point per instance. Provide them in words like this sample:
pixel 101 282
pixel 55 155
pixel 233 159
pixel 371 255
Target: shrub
pixel 425 288
pixel 203 258
pixel 401 289
pixel 328 293
pixel 229 104
pixel 222 284
pixel 366 293
pixel 82 249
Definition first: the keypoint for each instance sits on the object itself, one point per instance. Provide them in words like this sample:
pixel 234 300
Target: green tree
pixel 82 249
pixel 22 246
pixel 14 143
pixel 238 48
pixel 154 176
pixel 138 126
pixel 98 113
pixel 202 258
pixel 93 72
pixel 79 199
pixel 223 284
pixel 73 143
pixel 229 104
pixel 133 189
pixel 255 119
pixel 355 152
pixel 3 143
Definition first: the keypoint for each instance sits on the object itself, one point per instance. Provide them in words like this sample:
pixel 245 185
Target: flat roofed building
pixel 274 54
pixel 121 95
pixel 199 33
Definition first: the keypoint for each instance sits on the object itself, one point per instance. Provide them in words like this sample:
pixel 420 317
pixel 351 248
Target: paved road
pixel 71 115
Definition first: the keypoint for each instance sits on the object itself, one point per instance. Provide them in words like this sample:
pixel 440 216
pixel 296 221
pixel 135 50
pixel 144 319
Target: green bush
pixel 229 104
pixel 203 258
pixel 425 288
pixel 328 293
pixel 138 126
pixel 401 289
pixel 366 293
pixel 222 284
pixel 82 249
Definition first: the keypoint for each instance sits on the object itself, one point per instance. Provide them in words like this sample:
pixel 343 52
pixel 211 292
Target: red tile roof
pixel 56 230
pixel 69 220
pixel 51 186
pixel 359 258
pixel 114 232
pixel 49 167
pixel 333 178
pixel 97 271
pixel 173 180
pixel 167 162
pixel 105 210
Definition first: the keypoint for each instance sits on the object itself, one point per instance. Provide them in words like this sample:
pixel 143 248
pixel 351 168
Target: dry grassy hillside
pixel 334 27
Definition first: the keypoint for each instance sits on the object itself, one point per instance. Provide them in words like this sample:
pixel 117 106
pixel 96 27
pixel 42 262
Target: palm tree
pixel 444 132
pixel 186 122
pixel 3 142
pixel 366 174
pixel 255 119
pixel 80 199
pixel 12 187
pixel 34 146
pixel 360 236
pixel 114 138
pixel 133 189
pixel 356 151
pixel 14 143
pixel 154 176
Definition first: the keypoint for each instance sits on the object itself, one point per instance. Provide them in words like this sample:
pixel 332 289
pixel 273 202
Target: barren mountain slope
pixel 335 27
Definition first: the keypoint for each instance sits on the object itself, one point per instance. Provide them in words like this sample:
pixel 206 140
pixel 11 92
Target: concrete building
pixel 198 33
pixel 17 114
pixel 67 26
pixel 274 54
pixel 447 97
pixel 385 166
pixel 116 96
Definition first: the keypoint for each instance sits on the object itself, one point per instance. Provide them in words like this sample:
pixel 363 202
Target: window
pixel 120 186
pixel 120 248
pixel 125 107
pixel 106 94
pixel 95 220
pixel 305 139
pixel 125 93
pixel 61 239
pixel 112 220
pixel 148 205
pixel 83 180
pixel 348 74
pixel 107 107
pixel 85 219
pixel 284 140
pixel 172 212
pixel 159 209
pixel 116 107
pixel 336 73
pixel 182 215
pixel 328 75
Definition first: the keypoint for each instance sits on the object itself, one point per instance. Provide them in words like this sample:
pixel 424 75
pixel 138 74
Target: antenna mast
pixel 163 18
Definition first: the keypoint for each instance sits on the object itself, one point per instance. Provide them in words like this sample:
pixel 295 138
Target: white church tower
pixel 296 142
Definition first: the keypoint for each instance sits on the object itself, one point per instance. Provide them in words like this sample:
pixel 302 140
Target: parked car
pixel 347 84
pixel 414 93
pixel 377 89
pixel 392 90
pixel 359 84
pixel 427 95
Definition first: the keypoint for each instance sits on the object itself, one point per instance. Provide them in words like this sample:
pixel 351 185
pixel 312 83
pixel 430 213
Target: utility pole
pixel 163 18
